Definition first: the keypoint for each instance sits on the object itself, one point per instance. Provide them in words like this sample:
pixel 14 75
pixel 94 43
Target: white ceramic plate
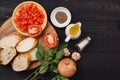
pixel 55 22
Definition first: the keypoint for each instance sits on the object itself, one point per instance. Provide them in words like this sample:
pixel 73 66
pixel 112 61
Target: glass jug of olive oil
pixel 73 31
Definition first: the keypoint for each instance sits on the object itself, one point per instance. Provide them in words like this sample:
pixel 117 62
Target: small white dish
pixel 53 18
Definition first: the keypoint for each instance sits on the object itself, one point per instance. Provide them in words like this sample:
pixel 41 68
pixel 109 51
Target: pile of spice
pixel 61 17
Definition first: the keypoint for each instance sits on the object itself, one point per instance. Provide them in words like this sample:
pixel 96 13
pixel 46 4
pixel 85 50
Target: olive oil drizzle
pixel 74 30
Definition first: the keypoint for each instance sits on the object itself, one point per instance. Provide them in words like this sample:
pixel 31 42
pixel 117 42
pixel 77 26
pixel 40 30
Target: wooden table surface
pixel 100 20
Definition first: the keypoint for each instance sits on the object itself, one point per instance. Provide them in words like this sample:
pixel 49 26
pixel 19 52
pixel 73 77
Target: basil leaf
pixel 59 77
pixel 44 67
pixel 39 57
pixel 54 78
pixel 62 46
pixel 59 54
pixel 50 55
pixel 40 53
pixel 41 49
pixel 53 68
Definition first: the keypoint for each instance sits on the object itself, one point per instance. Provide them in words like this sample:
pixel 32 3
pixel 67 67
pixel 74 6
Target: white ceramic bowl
pixel 55 22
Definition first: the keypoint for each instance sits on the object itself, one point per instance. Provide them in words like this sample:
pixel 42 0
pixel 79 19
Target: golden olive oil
pixel 74 30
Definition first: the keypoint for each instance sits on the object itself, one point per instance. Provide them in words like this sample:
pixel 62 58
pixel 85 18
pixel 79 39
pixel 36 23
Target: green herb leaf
pixel 59 77
pixel 40 53
pixel 62 46
pixel 44 67
pixel 41 49
pixel 39 57
pixel 50 55
pixel 53 68
pixel 49 61
pixel 50 52
pixel 59 54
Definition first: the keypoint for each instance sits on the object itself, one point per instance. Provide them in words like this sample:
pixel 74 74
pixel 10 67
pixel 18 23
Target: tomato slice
pixel 34 30
pixel 50 40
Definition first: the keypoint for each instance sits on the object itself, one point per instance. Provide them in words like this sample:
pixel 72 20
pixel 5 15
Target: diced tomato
pixel 50 40
pixel 34 30
pixel 28 15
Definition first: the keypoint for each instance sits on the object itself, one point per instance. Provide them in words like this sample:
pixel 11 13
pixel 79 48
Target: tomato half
pixel 34 30
pixel 50 40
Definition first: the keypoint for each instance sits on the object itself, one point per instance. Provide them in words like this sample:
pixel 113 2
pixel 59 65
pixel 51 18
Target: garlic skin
pixel 66 52
pixel 76 56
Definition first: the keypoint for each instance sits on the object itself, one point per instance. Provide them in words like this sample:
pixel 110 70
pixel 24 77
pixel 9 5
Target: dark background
pixel 100 20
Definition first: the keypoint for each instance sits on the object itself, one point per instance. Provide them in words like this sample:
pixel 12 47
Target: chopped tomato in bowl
pixel 28 13
pixel 50 40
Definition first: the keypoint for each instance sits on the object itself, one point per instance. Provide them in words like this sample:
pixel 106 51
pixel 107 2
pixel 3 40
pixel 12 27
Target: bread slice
pixel 10 40
pixel 7 55
pixel 26 44
pixel 33 54
pixel 21 62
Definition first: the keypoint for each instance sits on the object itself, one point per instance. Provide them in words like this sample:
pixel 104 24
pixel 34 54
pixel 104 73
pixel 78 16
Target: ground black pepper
pixel 61 17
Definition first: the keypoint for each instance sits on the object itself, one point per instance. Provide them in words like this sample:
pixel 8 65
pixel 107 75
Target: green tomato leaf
pixel 62 46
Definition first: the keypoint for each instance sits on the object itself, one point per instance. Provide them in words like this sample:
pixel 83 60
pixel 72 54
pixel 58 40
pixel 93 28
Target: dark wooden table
pixel 100 20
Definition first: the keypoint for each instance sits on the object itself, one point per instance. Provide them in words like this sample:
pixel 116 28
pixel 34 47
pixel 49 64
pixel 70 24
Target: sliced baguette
pixel 26 44
pixel 7 55
pixel 10 40
pixel 33 54
pixel 21 62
